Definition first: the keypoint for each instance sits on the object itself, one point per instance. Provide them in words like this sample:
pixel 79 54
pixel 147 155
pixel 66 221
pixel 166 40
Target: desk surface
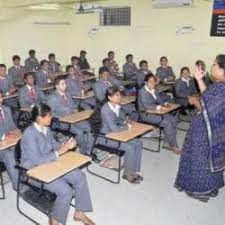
pixel 86 95
pixel 76 117
pixel 169 108
pixel 64 164
pixel 163 87
pixel 89 78
pixel 26 109
pixel 136 130
pixel 10 140
pixel 127 100
pixel 48 87
pixel 10 96
pixel 128 82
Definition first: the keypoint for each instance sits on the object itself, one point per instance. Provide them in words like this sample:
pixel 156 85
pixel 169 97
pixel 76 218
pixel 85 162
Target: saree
pixel 202 161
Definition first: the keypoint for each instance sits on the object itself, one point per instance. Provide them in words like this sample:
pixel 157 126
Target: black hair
pixel 68 67
pixel 104 60
pixel 73 58
pixel 15 57
pixel 42 110
pixel 51 55
pixel 149 76
pixel 142 62
pixel 220 59
pixel 31 51
pixel 43 62
pixel 110 52
pixel 83 52
pixel 2 65
pixel 58 79
pixel 111 91
pixel 200 63
pixel 103 70
pixel 128 55
pixel 184 68
pixel 26 75
pixel 162 58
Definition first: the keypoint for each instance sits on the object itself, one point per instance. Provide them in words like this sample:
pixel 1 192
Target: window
pixel 119 16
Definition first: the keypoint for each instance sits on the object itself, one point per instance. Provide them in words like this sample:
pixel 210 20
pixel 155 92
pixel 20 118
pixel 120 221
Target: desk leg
pixel 3 188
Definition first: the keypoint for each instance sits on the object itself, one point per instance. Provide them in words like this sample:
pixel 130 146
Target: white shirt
pixel 186 81
pixel 152 92
pixel 42 130
pixel 115 109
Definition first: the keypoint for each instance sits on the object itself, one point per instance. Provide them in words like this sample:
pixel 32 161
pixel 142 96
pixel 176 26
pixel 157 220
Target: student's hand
pixel 164 108
pixel 71 143
pixel 199 73
pixel 129 126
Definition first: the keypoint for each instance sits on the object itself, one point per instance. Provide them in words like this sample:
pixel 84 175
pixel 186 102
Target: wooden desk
pixel 170 82
pixel 127 100
pixel 48 87
pixel 163 87
pixel 10 96
pixel 89 78
pixel 76 117
pixel 66 163
pixel 128 82
pixel 136 130
pixel 169 108
pixel 86 95
pixel 10 140
pixel 26 109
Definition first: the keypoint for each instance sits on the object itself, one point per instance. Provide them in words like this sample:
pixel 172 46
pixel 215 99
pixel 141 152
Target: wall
pixel 152 34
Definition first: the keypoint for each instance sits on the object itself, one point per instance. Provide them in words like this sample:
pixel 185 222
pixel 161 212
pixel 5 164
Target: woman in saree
pixel 202 162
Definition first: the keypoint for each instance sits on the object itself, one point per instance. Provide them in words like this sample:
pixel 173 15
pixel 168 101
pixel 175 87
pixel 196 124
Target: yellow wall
pixel 152 34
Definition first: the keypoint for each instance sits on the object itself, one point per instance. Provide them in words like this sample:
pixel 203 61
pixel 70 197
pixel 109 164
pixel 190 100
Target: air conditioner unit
pixel 171 3
pixel 87 8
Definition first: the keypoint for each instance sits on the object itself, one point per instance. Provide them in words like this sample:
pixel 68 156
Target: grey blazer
pixel 17 75
pixel 53 68
pixel 111 122
pixel 31 64
pixel 100 87
pixel 140 76
pixel 26 100
pixel 6 84
pixel 164 73
pixel 130 70
pixel 59 106
pixel 41 78
pixel 182 90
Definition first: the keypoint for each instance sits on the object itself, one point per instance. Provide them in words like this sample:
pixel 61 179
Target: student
pixel 75 64
pixel 83 62
pixel 62 104
pixel 148 98
pixel 42 75
pixel 39 147
pixel 30 95
pixel 129 68
pixel 207 79
pixel 16 72
pixel 184 87
pixel 165 73
pixel 113 119
pixel 7 126
pixel 113 64
pixel 75 87
pixel 53 65
pixel 142 72
pixel 31 63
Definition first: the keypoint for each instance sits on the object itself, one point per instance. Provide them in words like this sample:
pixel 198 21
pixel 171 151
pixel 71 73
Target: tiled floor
pixel 153 202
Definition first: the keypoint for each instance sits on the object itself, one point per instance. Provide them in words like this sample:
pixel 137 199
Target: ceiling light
pixel 45 7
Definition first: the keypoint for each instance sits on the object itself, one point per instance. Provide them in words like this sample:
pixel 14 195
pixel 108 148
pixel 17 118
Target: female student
pixel 184 87
pixel 148 98
pixel 202 163
pixel 114 119
pixel 38 147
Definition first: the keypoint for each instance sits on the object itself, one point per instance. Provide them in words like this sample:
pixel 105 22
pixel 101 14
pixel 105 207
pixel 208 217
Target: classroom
pixel 112 112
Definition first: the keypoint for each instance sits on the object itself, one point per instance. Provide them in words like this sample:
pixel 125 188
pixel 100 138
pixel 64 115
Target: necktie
pixel 33 94
pixel 1 115
pixel 65 99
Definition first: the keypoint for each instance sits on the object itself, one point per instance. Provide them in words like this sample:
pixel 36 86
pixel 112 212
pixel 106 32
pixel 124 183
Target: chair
pixel 2 169
pixel 35 195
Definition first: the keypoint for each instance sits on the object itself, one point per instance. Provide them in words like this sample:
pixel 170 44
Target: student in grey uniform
pixel 38 146
pixel 129 68
pixel 83 62
pixel 31 63
pixel 16 72
pixel 142 72
pixel 42 75
pixel 165 73
pixel 113 64
pixel 62 104
pixel 76 88
pixel 148 98
pixel 76 66
pixel 184 87
pixel 53 65
pixel 7 156
pixel 30 94
pixel 114 119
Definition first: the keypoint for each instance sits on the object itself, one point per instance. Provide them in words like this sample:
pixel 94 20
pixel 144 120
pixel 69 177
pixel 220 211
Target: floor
pixel 153 202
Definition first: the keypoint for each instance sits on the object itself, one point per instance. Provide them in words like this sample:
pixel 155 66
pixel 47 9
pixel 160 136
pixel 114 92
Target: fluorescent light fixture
pixel 45 7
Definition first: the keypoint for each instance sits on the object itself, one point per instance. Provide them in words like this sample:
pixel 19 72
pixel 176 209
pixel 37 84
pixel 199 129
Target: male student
pixel 165 73
pixel 129 68
pixel 83 62
pixel 16 72
pixel 149 99
pixel 30 95
pixel 7 127
pixel 62 104
pixel 142 72
pixel 31 63
pixel 42 75
pixel 53 65
pixel 113 64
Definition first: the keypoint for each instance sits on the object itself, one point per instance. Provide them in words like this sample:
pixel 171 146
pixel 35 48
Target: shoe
pixel 139 177
pixel 131 179
pixel 83 219
pixel 176 150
